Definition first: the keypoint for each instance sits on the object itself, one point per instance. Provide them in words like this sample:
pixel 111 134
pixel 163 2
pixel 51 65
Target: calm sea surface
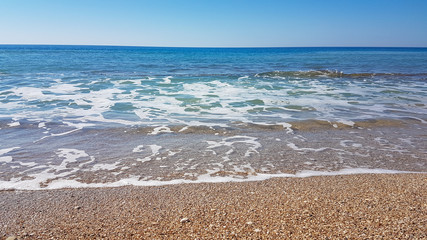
pixel 88 116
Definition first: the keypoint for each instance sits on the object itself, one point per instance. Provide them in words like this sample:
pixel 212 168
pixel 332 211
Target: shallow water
pixel 105 116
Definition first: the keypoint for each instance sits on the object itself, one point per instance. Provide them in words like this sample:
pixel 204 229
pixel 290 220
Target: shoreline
pixel 354 206
pixel 139 159
pixel 205 178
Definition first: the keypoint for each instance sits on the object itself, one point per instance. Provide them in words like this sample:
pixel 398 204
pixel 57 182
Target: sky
pixel 215 23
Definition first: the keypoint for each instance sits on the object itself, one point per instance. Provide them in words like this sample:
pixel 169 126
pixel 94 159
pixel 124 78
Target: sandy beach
pixel 370 206
pixel 213 120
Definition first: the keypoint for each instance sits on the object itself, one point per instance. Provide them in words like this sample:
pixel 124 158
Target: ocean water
pixel 95 116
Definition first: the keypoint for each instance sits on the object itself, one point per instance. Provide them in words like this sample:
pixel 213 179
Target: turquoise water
pixel 141 112
pixel 131 85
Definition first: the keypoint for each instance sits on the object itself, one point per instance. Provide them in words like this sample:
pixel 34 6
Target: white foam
pixel 28 164
pixel 99 102
pixel 138 149
pixel 64 133
pixel 78 126
pixel 155 150
pixel 144 114
pixel 287 126
pixel 346 122
pixel 14 124
pixel 6 159
pixel 183 129
pixel 6 150
pixel 57 134
pixel 161 129
pixel 225 97
pixel 34 184
pixel 252 144
pixel 70 156
pixel 143 160
pixel 29 93
pixel 419 119
pixel 167 80
pixel 294 147
pixel 63 88
pixel 105 166
pixel 129 81
pixel 173 153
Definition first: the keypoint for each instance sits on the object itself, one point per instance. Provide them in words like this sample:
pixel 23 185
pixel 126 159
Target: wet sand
pixel 370 206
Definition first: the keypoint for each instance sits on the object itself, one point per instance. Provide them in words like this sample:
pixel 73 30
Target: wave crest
pixel 330 74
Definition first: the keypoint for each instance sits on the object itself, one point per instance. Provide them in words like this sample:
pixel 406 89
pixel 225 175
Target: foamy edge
pixel 205 178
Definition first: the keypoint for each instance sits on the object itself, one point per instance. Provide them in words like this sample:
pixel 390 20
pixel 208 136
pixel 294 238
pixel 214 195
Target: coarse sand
pixel 369 206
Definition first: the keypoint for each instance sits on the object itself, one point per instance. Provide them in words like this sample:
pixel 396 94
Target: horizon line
pixel 147 46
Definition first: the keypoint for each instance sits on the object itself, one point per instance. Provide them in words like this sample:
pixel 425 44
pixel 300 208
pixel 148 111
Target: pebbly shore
pixel 367 206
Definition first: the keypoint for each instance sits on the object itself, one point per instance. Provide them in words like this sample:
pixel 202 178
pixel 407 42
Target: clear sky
pixel 215 23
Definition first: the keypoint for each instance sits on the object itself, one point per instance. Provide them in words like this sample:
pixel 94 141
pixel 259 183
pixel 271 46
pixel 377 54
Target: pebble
pixel 184 220
pixel 249 223
pixel 77 207
pixel 257 230
pixel 12 238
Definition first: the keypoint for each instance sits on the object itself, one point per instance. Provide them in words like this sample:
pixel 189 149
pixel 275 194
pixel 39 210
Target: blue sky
pixel 215 23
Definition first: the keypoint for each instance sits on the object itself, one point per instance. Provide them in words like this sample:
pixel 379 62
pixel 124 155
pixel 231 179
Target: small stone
pixel 12 238
pixel 257 230
pixel 184 220
pixel 249 223
pixel 77 207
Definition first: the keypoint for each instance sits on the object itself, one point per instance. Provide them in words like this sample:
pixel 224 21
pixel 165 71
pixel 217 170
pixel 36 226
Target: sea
pixel 108 116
